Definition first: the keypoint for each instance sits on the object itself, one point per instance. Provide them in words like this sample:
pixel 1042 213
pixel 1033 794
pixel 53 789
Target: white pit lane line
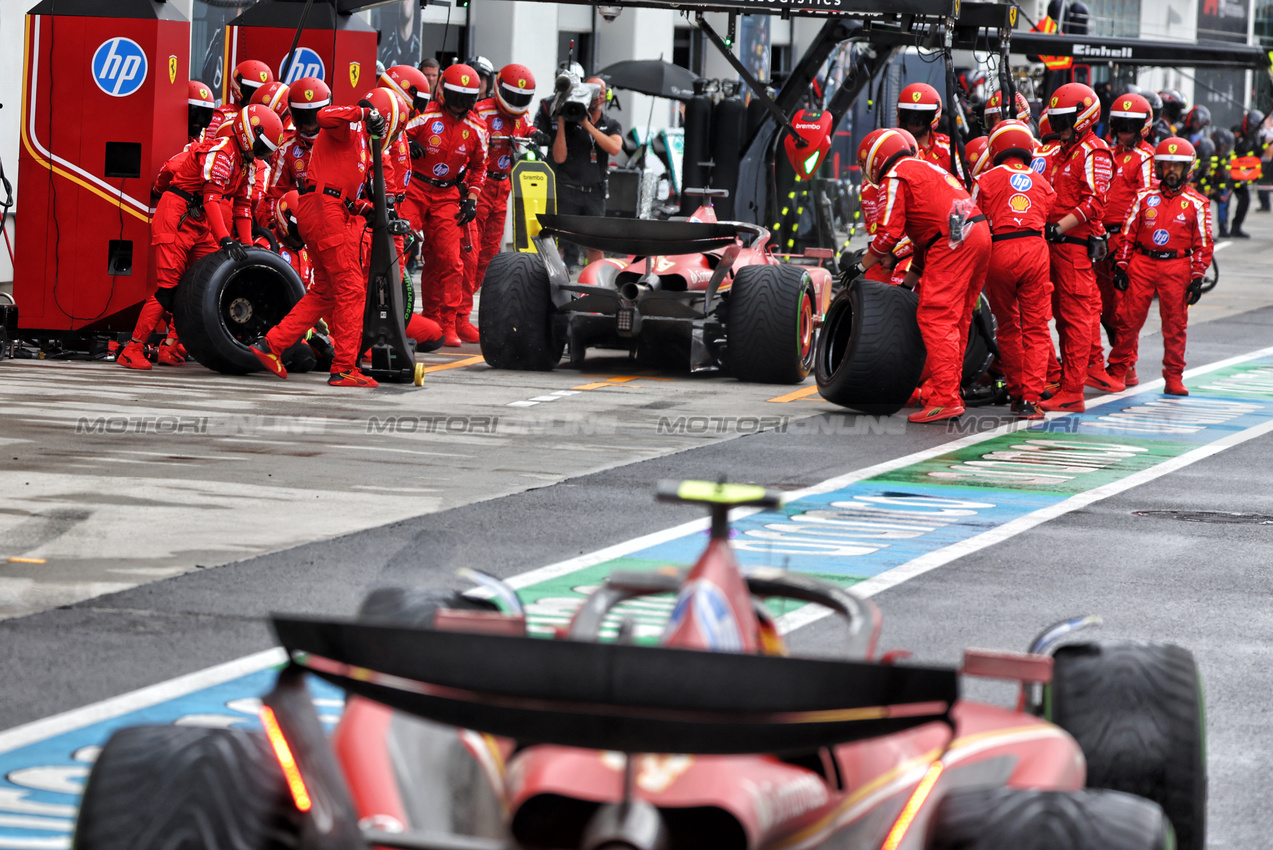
pixel 175 688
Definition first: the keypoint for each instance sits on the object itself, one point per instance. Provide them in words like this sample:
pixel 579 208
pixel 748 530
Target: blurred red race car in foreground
pixel 699 294
pixel 462 733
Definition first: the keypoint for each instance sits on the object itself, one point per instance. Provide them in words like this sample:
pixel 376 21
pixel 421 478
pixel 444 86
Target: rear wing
pixel 619 697
pixel 644 237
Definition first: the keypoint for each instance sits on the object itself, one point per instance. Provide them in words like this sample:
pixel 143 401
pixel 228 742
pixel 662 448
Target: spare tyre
pixel 870 354
pixel 222 305
pixel 515 315
pixel 983 343
pixel 770 324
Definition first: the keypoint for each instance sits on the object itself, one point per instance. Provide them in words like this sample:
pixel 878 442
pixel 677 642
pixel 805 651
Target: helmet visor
pixel 515 97
pixel 1125 124
pixel 919 119
pixel 1062 121
pixel 458 100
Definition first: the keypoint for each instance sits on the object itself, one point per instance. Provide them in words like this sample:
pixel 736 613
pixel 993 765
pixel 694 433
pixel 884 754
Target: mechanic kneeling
pixel 952 251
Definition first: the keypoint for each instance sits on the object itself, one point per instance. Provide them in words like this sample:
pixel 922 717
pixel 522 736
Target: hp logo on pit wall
pixel 119 66
pixel 305 63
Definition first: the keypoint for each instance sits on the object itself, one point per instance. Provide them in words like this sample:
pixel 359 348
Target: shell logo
pixel 915 96
pixel 435 140
pixel 309 94
pixel 255 120
pixel 953 182
pixel 1019 203
pixel 1087 101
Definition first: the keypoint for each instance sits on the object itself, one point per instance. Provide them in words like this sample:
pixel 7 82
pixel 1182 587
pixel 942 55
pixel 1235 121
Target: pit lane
pixel 1201 588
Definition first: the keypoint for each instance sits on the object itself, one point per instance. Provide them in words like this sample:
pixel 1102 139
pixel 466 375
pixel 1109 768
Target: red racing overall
pixel 1017 202
pixel 1167 243
pixel 455 150
pixel 1081 182
pixel 333 236
pixel 916 199
pixel 1133 173
pixel 288 171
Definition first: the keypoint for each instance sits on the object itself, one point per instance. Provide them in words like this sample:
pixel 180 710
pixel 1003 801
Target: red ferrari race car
pixel 699 293
pixel 462 733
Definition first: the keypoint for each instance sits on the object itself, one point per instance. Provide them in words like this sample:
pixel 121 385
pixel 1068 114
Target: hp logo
pixel 305 63
pixel 119 67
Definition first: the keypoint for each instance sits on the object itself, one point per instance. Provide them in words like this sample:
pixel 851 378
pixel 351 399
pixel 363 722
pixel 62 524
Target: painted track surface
pixel 1199 585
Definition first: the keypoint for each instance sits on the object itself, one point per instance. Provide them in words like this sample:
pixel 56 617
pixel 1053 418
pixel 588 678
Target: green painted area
pixel 1039 462
pixel 1244 380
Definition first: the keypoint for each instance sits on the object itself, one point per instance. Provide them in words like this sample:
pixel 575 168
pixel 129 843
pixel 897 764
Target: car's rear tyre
pixel 870 353
pixel 770 327
pixel 1137 711
pixel 186 788
pixel 414 607
pixel 1003 818
pixel 515 315
pixel 982 345
pixel 222 305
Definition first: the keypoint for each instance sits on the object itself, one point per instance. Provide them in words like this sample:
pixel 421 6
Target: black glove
pixel 234 250
pixel 539 137
pixel 1121 281
pixel 417 149
pixel 468 211
pixel 375 123
pixel 1052 232
pixel 1193 292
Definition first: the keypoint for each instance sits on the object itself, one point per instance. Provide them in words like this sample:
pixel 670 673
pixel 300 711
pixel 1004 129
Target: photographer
pixel 581 154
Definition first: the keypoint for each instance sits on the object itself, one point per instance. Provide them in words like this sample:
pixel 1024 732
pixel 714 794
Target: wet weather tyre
pixel 222 305
pixel 1137 711
pixel 186 788
pixel 870 353
pixel 414 607
pixel 1001 818
pixel 515 315
pixel 770 326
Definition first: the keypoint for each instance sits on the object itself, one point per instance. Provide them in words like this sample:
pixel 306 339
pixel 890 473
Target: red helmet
pixel 919 106
pixel 514 89
pixel 460 85
pixel 392 107
pixel 881 149
pixel 1074 105
pixel 305 97
pixel 409 82
pixel 285 214
pixel 199 94
pixel 257 129
pixel 1008 139
pixel 975 153
pixel 994 106
pixel 1045 124
pixel 1174 149
pixel 273 95
pixel 248 77
pixel 1130 113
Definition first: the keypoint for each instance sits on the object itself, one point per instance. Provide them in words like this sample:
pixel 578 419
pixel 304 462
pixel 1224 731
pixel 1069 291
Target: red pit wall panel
pixel 348 56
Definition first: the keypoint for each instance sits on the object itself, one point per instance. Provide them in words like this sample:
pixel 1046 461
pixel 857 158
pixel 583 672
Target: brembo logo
pixel 119 66
pixel 1103 52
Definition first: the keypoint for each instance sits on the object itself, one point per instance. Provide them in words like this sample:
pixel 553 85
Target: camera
pixel 608 13
pixel 572 100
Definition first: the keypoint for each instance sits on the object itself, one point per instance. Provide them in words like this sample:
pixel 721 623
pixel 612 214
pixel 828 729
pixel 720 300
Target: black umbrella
pixel 651 76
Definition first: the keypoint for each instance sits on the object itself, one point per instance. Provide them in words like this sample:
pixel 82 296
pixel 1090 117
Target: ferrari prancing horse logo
pixel 172 69
pixel 354 68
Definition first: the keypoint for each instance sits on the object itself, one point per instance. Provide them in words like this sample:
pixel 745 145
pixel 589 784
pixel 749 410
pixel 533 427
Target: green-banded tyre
pixel 222 305
pixel 515 315
pixel 186 788
pixel 1137 711
pixel 870 354
pixel 770 329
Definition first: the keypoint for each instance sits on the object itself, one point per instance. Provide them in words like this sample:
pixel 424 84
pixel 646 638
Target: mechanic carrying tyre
pixel 330 214
pixel 1017 202
pixel 952 251
pixel 188 222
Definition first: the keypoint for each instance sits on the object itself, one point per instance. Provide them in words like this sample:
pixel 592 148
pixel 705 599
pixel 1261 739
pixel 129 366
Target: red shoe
pixel 426 333
pixel 352 378
pixel 1050 389
pixel 169 356
pixel 450 338
pixel 937 414
pixel 1099 379
pixel 1174 386
pixel 271 361
pixel 917 398
pixel 467 332
pixel 1029 410
pixel 181 350
pixel 1125 374
pixel 1064 402
pixel 134 357
pixel 1130 378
